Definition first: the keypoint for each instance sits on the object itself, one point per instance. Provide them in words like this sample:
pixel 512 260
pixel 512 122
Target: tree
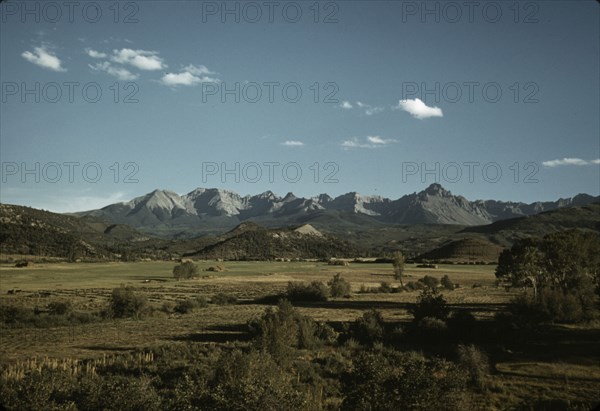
pixel 521 265
pixel 398 263
pixel 561 269
pixel 185 270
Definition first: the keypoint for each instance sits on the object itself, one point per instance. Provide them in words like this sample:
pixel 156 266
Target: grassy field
pixel 566 367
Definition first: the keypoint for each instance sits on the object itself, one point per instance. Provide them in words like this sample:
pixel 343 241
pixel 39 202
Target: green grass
pixel 48 276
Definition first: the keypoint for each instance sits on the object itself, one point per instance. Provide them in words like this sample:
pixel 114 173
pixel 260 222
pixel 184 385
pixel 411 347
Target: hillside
pixel 29 231
pixel 260 243
pixel 214 211
pixel 465 250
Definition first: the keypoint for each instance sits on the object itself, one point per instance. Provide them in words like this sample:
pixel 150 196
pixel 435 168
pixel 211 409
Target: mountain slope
pixel 214 211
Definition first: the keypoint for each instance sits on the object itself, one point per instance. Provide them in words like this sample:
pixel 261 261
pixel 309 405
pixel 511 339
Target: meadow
pixel 565 363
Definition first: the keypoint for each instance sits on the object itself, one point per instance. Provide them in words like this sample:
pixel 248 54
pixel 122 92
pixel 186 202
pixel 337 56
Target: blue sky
pixel 375 125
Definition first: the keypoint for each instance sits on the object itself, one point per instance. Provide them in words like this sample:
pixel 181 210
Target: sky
pixel 103 101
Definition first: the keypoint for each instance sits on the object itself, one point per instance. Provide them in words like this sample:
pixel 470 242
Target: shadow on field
pixel 218 333
pixel 105 348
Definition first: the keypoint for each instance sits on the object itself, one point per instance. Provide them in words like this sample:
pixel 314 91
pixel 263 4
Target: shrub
pixel 279 331
pixel 389 380
pixel 432 328
pixel 338 287
pixel 385 287
pixel 430 303
pixel 430 281
pixel 124 302
pixel 315 291
pixel 224 299
pixel 185 270
pixel 414 285
pixel 59 308
pixel 369 328
pixel 475 363
pixel 185 306
pixel 447 283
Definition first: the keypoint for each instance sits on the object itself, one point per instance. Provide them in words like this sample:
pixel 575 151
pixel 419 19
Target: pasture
pixel 564 366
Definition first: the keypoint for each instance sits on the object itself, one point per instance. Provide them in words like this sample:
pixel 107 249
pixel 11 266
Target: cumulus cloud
pixel 95 54
pixel 418 109
pixel 119 72
pixel 42 57
pixel 368 142
pixel 292 143
pixel 141 59
pixel 570 162
pixel 190 76
pixel 346 105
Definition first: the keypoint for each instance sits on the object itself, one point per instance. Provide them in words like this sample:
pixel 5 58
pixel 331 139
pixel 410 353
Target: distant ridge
pixel 212 210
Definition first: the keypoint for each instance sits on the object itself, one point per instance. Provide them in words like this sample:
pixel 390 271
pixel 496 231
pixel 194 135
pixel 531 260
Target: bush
pixel 279 331
pixel 124 302
pixel 385 287
pixel 414 286
pixel 447 283
pixel 315 291
pixel 430 303
pixel 370 328
pixel 432 328
pixel 554 305
pixel 185 306
pixel 338 287
pixel 475 363
pixel 59 308
pixel 224 299
pixel 389 380
pixel 430 281
pixel 185 270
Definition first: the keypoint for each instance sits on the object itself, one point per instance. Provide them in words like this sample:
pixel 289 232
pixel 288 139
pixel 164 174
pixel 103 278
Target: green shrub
pixel 124 302
pixel 475 363
pixel 390 380
pixel 315 291
pixel 185 306
pixel 369 328
pixel 185 270
pixel 338 287
pixel 430 281
pixel 430 303
pixel 224 299
pixel 447 283
pixel 385 287
pixel 59 308
pixel 414 286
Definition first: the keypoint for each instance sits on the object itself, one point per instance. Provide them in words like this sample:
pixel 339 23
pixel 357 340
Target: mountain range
pixel 212 210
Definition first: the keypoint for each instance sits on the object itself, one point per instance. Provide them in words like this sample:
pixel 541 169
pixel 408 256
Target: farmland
pixel 519 370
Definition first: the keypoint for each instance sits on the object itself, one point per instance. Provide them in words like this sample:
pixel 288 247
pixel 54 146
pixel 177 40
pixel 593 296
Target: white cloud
pixel 198 70
pixel 190 76
pixel 346 105
pixel 418 109
pixel 570 162
pixel 95 54
pixel 371 142
pixel 379 140
pixel 292 143
pixel 43 58
pixel 369 109
pixel 373 110
pixel 120 72
pixel 141 59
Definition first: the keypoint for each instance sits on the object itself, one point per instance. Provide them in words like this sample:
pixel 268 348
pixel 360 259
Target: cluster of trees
pixel 562 272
